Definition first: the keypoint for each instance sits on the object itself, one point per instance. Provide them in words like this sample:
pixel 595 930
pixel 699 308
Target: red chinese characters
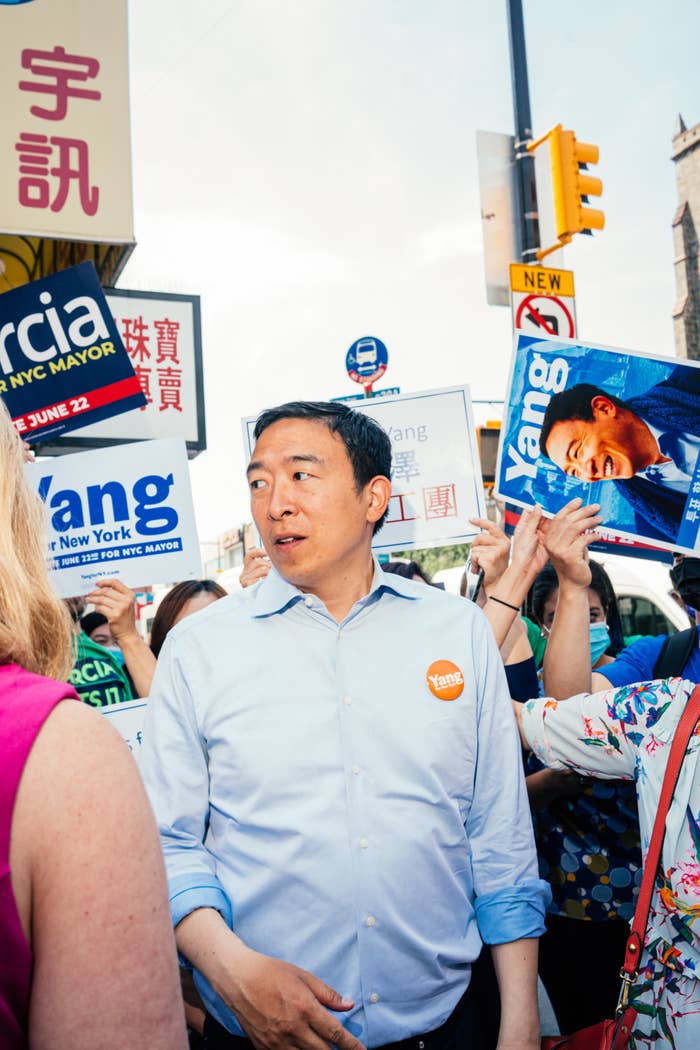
pixel 400 508
pixel 137 337
pixel 71 155
pixel 58 69
pixel 440 502
pixel 50 166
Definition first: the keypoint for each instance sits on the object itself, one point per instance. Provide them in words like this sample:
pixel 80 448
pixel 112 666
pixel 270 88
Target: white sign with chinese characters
pixel 64 120
pixel 436 476
pixel 161 334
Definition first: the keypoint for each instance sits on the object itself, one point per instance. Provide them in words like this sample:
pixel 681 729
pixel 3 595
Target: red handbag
pixel 615 1034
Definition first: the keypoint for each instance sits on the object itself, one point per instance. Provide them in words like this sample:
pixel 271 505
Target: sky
pixel 309 168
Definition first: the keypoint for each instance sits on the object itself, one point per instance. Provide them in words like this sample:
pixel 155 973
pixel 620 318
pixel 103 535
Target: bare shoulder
pixel 90 866
pixel 76 748
pixel 79 778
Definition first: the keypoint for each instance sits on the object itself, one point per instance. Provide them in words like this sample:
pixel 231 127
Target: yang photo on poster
pixel 615 427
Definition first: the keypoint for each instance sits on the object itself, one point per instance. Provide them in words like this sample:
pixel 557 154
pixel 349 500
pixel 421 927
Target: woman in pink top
pixel 88 955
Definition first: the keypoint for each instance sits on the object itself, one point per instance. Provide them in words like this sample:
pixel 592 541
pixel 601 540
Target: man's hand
pixel 115 600
pixel 567 537
pixel 256 566
pixel 280 1005
pixel 490 551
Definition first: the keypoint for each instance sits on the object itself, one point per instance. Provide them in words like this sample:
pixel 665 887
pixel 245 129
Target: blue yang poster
pixel 611 426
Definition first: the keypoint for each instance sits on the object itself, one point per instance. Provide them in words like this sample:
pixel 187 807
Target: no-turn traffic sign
pixel 543 301
pixel 543 315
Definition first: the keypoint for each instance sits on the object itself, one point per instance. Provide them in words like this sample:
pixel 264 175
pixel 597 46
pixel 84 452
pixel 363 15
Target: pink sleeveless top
pixel 26 700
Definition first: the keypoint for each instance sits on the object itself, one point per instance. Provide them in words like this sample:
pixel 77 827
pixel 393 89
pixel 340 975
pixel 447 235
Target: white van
pixel 643 590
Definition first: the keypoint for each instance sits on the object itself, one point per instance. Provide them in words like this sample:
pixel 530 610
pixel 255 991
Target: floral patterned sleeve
pixel 597 734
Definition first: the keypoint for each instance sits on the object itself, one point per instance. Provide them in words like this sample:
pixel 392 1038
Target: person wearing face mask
pixel 568 673
pixel 685 577
pixel 97 675
pixel 605 626
pixel 586 831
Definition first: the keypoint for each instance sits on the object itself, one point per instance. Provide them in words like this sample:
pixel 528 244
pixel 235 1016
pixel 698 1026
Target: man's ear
pixel 603 406
pixel 378 496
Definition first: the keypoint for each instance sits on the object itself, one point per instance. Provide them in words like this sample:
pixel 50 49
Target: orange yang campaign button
pixel 445 680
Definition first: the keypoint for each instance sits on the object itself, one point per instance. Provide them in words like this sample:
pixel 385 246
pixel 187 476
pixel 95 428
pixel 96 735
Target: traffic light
pixel 487 438
pixel 569 159
pixel 571 187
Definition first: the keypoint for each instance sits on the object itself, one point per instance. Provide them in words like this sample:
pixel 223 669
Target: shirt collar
pixel 274 594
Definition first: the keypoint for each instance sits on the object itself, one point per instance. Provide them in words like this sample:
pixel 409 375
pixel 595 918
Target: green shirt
pixel 538 643
pixel 96 675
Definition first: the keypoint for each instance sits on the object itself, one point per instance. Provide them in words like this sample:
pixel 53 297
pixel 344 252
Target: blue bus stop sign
pixel 366 360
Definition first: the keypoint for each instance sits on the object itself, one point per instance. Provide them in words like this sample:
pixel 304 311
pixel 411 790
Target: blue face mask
pixel 117 654
pixel 600 640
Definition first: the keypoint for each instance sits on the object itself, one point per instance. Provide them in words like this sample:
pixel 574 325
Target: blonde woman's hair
pixel 35 628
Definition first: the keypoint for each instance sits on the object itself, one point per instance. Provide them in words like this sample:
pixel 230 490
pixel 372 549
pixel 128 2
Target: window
pixel 640 616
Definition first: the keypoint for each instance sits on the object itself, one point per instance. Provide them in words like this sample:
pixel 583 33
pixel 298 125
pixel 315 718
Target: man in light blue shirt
pixel 336 773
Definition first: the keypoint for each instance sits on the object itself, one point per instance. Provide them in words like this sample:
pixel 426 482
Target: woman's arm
pixel 567 660
pixel 92 895
pixel 506 585
pixel 116 601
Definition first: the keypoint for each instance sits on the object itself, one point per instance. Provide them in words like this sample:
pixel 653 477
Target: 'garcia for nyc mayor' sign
pixel 62 361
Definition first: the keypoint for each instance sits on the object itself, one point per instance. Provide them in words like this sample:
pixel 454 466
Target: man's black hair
pixel 574 403
pixel 367 444
pixel 92 620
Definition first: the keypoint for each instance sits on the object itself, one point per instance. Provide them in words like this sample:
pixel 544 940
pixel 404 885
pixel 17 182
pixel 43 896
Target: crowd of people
pixel 373 800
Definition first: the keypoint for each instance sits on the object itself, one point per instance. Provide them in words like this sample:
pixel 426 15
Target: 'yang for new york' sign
pixel 62 362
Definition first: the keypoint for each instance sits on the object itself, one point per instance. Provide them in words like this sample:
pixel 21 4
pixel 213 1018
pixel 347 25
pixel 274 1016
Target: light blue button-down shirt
pixel 309 785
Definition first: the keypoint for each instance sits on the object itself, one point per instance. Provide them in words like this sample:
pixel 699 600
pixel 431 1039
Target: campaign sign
pixel 128 718
pixel 62 361
pixel 614 427
pixel 436 480
pixel 366 360
pixel 122 512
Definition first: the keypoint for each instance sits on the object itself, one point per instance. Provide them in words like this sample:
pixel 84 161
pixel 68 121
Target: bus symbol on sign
pixel 366 360
pixel 366 352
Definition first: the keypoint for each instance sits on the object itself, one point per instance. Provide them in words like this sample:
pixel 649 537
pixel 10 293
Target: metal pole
pixel 529 227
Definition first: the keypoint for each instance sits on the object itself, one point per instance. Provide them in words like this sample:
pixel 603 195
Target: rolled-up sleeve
pixel 175 771
pixel 511 900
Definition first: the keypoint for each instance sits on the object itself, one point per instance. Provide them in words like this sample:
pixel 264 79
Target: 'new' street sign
pixel 542 300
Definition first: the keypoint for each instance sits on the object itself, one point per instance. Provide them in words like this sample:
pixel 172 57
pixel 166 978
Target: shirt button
pixel 374 998
pixel 356 770
pixel 309 603
pixel 370 921
pixel 347 700
pixel 364 843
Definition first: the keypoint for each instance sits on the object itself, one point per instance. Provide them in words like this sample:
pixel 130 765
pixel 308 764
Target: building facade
pixel 686 312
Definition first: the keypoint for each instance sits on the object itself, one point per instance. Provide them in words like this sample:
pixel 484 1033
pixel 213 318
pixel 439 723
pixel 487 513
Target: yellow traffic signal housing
pixel 568 159
pixel 571 186
pixel 487 438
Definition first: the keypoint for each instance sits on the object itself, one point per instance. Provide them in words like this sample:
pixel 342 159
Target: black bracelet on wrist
pixel 493 598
